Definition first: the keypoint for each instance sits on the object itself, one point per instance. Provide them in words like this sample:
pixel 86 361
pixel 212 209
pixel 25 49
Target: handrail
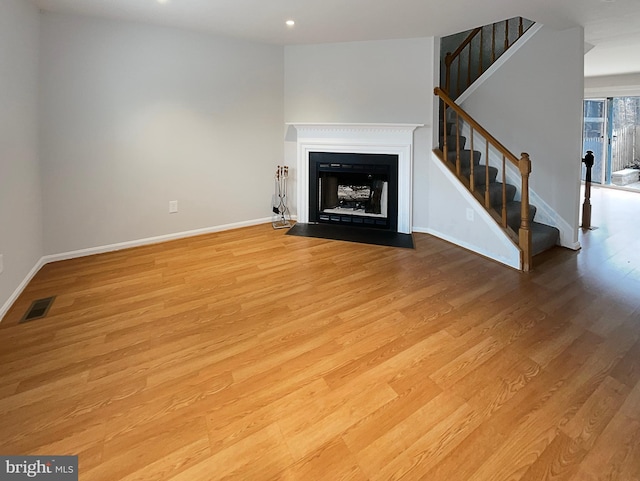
pixel 450 58
pixel 476 126
pixel 524 237
pixel 466 42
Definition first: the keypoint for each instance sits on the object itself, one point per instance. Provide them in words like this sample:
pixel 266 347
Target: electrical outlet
pixel 470 214
pixel 1 263
pixel 173 206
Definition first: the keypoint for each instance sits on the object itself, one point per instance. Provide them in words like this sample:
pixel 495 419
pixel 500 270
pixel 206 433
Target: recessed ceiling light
pixel 290 23
pixel 162 1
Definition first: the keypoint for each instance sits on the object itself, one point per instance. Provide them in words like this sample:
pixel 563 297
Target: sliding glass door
pixel 595 137
pixel 612 132
pixel 625 126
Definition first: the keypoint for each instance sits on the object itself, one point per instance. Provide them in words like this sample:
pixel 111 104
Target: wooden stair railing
pixel 474 72
pixel 523 164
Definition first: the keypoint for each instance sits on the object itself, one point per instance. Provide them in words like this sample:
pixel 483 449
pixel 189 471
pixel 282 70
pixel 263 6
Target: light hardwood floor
pixel 251 355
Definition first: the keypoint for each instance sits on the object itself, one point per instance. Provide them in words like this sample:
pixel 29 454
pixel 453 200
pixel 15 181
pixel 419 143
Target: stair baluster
pixel 458 167
pixel 506 34
pixel 493 43
pixel 472 178
pixel 480 69
pixel 504 191
pixel 477 55
pixel 451 57
pixel 501 194
pixel 487 194
pixel 444 124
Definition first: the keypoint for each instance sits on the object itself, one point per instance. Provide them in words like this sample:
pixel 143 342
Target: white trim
pixel 373 138
pixel 119 246
pixel 14 297
pixel 353 127
pixel 545 214
pixel 499 62
pixel 481 213
pixel 507 262
pixel 617 91
pixel 623 85
pixel 152 240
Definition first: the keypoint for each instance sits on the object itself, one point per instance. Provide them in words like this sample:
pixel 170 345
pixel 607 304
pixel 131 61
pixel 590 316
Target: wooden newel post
pixel 524 233
pixel 586 206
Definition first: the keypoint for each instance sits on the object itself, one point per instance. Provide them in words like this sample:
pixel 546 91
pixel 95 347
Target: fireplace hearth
pixel 354 189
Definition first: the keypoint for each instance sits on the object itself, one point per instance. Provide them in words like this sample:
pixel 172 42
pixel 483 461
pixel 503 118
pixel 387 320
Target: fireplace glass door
pixel 354 189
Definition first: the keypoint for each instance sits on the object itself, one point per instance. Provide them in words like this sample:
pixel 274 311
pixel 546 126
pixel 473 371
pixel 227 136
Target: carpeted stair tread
pixel 479 174
pixel 543 237
pixel 451 142
pixel 495 194
pixel 465 157
pixel 451 127
pixel 513 214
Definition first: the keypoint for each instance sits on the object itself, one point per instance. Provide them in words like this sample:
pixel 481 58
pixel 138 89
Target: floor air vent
pixel 38 309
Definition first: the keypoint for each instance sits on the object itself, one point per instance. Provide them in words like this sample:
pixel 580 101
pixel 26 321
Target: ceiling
pixel 612 27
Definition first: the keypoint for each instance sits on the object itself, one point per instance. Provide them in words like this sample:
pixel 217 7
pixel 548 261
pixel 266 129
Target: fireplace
pixel 355 189
pixel 377 140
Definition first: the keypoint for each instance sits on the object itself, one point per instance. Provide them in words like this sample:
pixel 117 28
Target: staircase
pixel 488 183
pixel 474 51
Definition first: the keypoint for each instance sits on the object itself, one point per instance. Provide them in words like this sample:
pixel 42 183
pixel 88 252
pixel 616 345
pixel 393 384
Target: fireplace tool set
pixel 280 209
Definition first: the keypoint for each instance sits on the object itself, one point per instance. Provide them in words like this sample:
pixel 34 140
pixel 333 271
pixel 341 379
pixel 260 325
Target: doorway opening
pixel 611 130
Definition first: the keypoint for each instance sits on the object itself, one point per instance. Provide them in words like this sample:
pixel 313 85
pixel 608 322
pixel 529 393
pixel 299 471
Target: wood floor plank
pixel 559 461
pixel 331 462
pixel 426 452
pixel 615 453
pixel 332 416
pixel 179 460
pixel 627 371
pixel 225 430
pixel 371 427
pixel 260 456
pixel 387 452
pixel 594 415
pixel 125 455
pixel 250 354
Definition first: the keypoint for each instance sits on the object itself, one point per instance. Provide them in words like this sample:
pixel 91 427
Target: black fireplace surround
pixel 354 189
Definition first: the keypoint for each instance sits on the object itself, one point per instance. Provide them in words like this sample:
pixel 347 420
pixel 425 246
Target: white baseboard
pixel 514 263
pixel 545 213
pixel 151 240
pixel 119 246
pixel 13 297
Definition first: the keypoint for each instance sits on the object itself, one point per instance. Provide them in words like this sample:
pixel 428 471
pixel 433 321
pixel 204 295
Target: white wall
pixel 134 116
pixel 456 216
pixel 364 82
pixel 20 200
pixel 533 104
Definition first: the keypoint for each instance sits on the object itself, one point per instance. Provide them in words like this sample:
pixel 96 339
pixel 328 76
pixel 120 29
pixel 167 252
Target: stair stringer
pixel 545 213
pixel 449 202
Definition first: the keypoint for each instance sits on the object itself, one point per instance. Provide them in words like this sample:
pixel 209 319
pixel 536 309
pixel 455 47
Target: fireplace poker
pixel 283 219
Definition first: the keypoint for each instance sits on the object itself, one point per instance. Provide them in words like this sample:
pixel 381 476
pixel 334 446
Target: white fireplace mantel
pixel 394 139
